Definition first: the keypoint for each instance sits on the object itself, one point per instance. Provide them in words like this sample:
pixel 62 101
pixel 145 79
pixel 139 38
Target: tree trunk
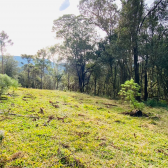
pixel 136 65
pixel 57 84
pixel 68 82
pixel 114 83
pixel 95 84
pixel 2 59
pixel 80 85
pixel 146 81
pixel 2 65
pixel 28 78
pixel 41 81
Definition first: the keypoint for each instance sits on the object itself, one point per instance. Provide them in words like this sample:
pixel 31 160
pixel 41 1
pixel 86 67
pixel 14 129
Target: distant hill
pixel 21 63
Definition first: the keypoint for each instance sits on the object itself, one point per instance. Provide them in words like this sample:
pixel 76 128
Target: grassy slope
pixel 91 134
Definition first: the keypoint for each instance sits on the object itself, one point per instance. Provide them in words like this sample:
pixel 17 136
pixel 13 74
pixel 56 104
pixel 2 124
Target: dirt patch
pixel 162 151
pixel 82 134
pixel 54 104
pixel 50 118
pixel 28 96
pixel 108 104
pixel 41 111
pixel 81 115
pixel 16 156
pixel 114 146
pixel 118 121
pixel 61 118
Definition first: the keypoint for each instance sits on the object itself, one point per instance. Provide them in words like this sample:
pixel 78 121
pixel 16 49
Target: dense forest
pixel 135 46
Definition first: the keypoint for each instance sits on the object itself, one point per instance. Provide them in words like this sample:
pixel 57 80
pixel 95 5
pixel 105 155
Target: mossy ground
pixel 78 130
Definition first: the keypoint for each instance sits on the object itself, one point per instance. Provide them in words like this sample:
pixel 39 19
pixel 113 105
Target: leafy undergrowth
pixel 44 128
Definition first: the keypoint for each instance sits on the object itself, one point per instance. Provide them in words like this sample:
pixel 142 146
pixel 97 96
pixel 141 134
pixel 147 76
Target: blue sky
pixel 64 5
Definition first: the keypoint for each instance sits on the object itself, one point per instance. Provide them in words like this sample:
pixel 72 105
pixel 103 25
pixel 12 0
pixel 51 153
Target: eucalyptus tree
pixel 4 41
pixel 146 49
pixel 110 55
pixel 102 13
pixel 56 72
pixel 79 40
pixel 152 31
pixel 28 66
pixel 131 17
pixel 158 62
pixel 158 34
pixel 42 62
pixel 36 81
pixel 129 39
pixel 105 15
pixel 133 20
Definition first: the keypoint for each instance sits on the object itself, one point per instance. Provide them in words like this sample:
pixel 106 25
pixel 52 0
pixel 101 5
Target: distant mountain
pixel 21 63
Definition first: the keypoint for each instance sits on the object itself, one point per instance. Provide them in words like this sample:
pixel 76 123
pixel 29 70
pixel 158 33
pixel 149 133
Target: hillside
pixel 45 128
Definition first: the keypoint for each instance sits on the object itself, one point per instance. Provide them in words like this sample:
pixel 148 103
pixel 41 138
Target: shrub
pixel 155 103
pixel 151 102
pixel 6 82
pixel 128 93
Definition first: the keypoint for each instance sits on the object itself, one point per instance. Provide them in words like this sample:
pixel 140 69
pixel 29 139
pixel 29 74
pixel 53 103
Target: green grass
pixel 78 130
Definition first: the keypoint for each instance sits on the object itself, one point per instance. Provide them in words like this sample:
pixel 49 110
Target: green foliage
pixel 10 66
pixel 155 103
pixel 79 38
pixel 6 82
pixel 128 93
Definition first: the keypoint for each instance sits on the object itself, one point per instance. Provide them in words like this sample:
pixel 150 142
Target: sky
pixel 28 23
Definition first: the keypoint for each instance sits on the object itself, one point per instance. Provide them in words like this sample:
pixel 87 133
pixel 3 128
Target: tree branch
pixel 155 6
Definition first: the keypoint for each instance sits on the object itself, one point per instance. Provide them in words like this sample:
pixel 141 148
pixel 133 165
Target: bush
pixel 128 93
pixel 6 82
pixel 155 103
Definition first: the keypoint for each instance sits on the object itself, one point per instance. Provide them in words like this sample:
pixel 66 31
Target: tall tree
pixel 152 30
pixel 78 35
pixel 42 63
pixel 131 17
pixel 55 70
pixel 102 13
pixel 29 59
pixel 4 41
